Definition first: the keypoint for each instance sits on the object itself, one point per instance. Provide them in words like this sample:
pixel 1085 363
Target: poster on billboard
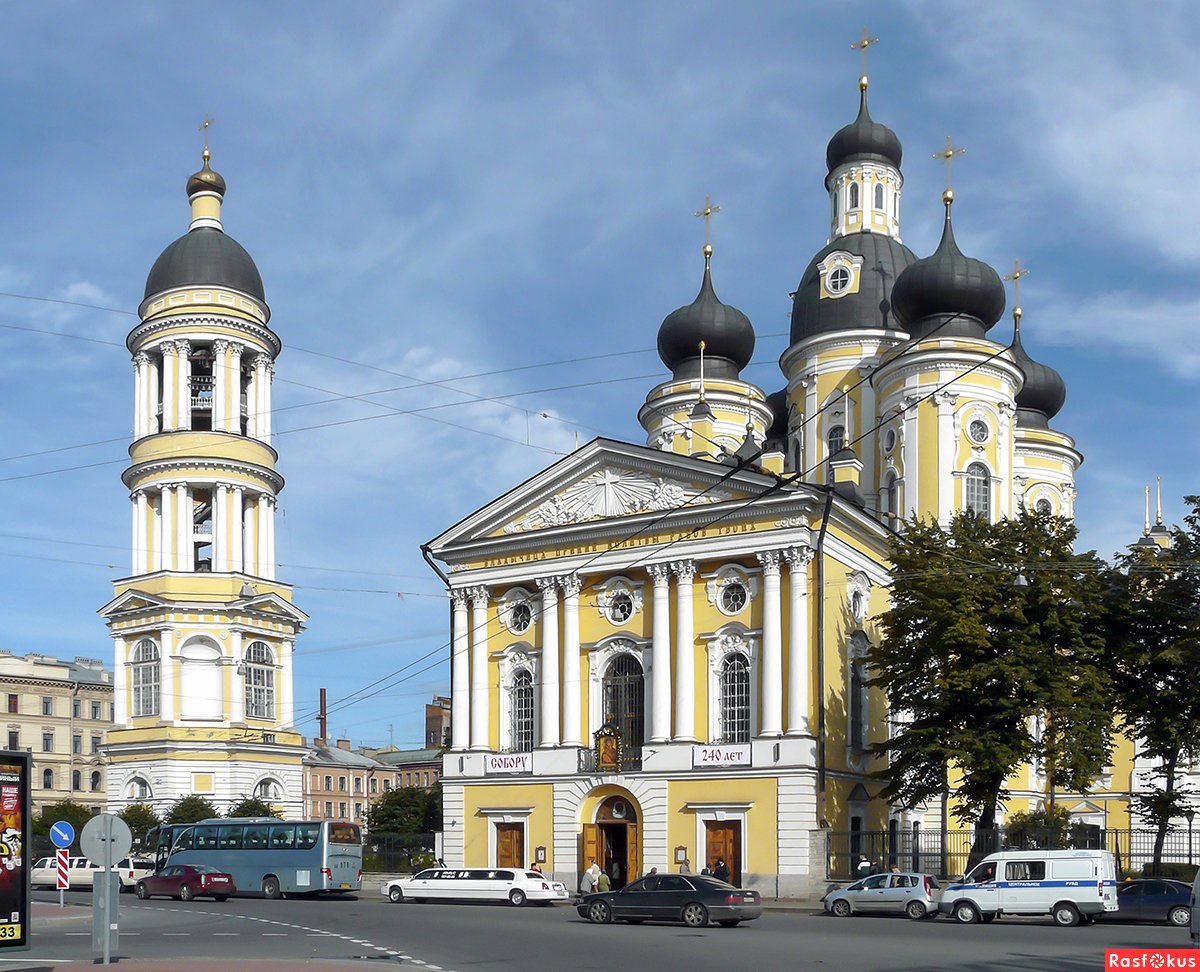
pixel 14 844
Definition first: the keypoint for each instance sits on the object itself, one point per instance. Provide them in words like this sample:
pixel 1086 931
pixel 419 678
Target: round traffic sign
pixel 62 833
pixel 105 834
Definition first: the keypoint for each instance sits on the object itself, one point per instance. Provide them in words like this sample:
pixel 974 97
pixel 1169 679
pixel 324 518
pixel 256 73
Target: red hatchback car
pixel 187 881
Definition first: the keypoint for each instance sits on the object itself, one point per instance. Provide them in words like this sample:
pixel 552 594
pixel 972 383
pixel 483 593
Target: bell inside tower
pixel 202 389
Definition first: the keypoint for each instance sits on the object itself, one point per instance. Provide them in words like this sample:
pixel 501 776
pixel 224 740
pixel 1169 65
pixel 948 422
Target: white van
pixel 1069 885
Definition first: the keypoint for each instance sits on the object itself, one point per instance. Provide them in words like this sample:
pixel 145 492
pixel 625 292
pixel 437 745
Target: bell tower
pixel 203 633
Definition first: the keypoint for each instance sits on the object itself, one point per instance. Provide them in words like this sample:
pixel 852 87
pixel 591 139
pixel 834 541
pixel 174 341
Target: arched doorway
pixel 614 840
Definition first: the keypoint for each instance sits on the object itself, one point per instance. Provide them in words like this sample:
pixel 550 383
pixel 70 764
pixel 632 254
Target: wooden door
pixel 723 839
pixel 633 852
pixel 510 845
pixel 591 850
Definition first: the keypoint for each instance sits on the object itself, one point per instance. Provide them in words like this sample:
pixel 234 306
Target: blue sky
pixel 442 189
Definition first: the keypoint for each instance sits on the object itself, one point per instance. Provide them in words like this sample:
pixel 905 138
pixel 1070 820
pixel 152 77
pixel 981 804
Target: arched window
pixel 139 789
pixel 735 699
pixel 521 709
pixel 96 781
pixel 48 779
pixel 624 691
pixel 260 681
pixel 979 489
pixel 835 206
pixel 268 790
pixel 891 502
pixel 145 679
pixel 76 780
pixel 835 440
pixel 854 195
pixel 879 196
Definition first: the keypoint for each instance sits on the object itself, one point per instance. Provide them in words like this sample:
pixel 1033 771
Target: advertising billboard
pixel 15 845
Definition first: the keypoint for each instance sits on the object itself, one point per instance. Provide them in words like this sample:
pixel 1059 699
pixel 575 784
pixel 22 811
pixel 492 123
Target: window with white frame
pixel 835 439
pixel 139 789
pixel 735 699
pixel 146 672
pixel 856 691
pixel 879 196
pixel 520 702
pixel 854 195
pixel 268 789
pixel 732 685
pixel 260 681
pixel 978 489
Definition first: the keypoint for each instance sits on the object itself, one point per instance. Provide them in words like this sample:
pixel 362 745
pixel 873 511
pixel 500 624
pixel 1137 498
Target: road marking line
pixel 74 934
pixel 176 934
pixel 274 934
pixel 226 934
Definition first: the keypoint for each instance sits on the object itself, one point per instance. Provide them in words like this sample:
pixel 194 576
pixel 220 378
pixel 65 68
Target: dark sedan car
pixel 1152 899
pixel 187 881
pixel 692 899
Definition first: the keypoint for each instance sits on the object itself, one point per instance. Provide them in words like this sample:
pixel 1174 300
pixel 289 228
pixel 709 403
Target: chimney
pixel 343 744
pixel 323 719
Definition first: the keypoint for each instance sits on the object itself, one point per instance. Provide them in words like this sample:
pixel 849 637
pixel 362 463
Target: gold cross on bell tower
pixel 947 154
pixel 204 127
pixel 707 214
pixel 1017 273
pixel 861 46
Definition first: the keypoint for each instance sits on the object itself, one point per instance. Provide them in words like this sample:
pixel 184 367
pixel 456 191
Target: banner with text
pixel 500 763
pixel 708 756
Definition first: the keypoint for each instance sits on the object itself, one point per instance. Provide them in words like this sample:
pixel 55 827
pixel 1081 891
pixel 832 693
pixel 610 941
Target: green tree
pixel 969 660
pixel 140 817
pixel 1045 828
pixel 406 810
pixel 252 807
pixel 74 813
pixel 189 809
pixel 1156 651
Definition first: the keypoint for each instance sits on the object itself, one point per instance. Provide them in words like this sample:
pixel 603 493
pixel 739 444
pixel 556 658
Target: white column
pixel 236 545
pixel 660 655
pixel 479 668
pixel 184 362
pixel 265 424
pixel 771 723
pixel 234 423
pixel 260 556
pixel 685 652
pixel 156 533
pixel 134 533
pixel 166 706
pixel 549 669
pixel 141 408
pixel 252 401
pixel 287 711
pixel 460 673
pixel 237 695
pixel 249 556
pixel 946 455
pixel 220 548
pixel 141 537
pixel 271 500
pixel 167 533
pixel 153 371
pixel 220 399
pixel 120 701
pixel 170 376
pixel 572 688
pixel 185 554
pixel 799 657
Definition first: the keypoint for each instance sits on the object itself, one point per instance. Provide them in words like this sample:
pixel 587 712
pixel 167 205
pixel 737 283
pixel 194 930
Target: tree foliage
pixel 1156 652
pixel 74 813
pixel 407 810
pixel 970 662
pixel 252 807
pixel 140 817
pixel 189 809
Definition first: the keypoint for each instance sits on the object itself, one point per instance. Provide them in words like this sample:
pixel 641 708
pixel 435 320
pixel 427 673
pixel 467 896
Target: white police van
pixel 1069 885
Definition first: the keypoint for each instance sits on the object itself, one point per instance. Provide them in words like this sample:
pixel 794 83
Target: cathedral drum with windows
pixel 661 652
pixel 203 632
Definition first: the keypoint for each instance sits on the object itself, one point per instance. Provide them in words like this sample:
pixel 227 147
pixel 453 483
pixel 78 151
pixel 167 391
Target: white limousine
pixel 477 884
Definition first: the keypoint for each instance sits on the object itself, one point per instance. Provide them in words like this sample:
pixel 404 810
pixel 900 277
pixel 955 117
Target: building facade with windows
pixel 419 768
pixel 203 632
pixel 60 712
pixel 341 784
pixel 659 651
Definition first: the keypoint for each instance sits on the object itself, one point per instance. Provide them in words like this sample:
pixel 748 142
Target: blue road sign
pixel 62 834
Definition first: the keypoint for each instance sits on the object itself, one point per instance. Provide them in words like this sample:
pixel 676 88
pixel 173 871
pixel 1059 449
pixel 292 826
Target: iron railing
pixel 398 853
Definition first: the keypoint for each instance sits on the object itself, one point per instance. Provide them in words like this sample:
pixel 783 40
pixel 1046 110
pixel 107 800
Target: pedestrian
pixel 603 883
pixel 685 867
pixel 863 868
pixel 615 873
pixel 705 871
pixel 654 870
pixel 534 867
pixel 721 871
pixel 590 880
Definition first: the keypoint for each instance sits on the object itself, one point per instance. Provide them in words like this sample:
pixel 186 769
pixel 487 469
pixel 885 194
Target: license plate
pixel 220 880
pixel 345 885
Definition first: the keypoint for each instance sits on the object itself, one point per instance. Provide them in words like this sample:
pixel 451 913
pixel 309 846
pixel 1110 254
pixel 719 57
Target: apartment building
pixel 341 784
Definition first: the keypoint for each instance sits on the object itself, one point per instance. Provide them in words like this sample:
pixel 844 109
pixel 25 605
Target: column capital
pixel 685 570
pixel 548 586
pixel 140 359
pixel 182 346
pixel 459 596
pixel 220 346
pixel 770 560
pixel 478 596
pixel 798 557
pixel 659 573
pixel 237 347
pixel 570 584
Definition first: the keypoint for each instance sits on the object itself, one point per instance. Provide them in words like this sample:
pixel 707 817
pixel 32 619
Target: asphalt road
pixel 372 933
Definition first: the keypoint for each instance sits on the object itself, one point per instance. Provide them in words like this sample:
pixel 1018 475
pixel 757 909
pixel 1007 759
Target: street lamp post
pixel 1190 815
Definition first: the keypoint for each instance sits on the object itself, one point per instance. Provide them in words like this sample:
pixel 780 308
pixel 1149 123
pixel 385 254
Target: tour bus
pixel 265 855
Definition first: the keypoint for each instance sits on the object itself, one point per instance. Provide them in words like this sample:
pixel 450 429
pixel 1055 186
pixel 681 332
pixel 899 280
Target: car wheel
pixel 516 897
pixel 990 916
pixel 270 887
pixel 185 893
pixel 1066 914
pixel 695 915
pixel 840 908
pixel 1180 915
pixel 599 913
pixel 220 897
pixel 395 895
pixel 730 922
pixel 141 891
pixel 966 913
pixel 915 910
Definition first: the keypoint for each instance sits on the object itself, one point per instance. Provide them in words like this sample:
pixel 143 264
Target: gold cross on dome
pixel 707 214
pixel 862 45
pixel 948 154
pixel 204 127
pixel 1016 275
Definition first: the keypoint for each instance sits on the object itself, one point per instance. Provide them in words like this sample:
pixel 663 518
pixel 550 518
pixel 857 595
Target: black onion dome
pixel 727 334
pixel 206 256
pixel 1044 392
pixel 947 283
pixel 778 404
pixel 863 140
pixel 884 258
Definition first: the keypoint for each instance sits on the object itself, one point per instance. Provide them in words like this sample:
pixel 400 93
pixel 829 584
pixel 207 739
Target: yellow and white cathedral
pixel 203 632
pixel 659 650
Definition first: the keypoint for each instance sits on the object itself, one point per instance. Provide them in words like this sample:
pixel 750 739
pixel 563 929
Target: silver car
pixel 909 893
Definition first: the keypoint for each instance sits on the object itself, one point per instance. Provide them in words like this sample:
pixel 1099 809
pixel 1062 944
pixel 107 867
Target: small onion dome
pixel 778 403
pixel 206 180
pixel 947 283
pixel 1044 392
pixel 863 140
pixel 883 259
pixel 727 334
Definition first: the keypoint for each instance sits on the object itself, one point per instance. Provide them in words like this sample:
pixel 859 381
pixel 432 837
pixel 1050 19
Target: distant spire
pixel 1158 515
pixel 1146 522
pixel 707 214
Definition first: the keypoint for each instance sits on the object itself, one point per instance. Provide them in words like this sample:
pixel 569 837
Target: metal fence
pixel 954 852
pixel 391 853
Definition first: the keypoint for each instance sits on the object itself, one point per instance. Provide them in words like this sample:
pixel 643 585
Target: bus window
pixel 307 835
pixel 183 840
pixel 344 833
pixel 256 837
pixel 205 839
pixel 229 837
pixel 283 838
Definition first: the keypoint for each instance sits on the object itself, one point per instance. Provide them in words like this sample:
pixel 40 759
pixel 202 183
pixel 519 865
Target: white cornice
pixel 272 480
pixel 145 332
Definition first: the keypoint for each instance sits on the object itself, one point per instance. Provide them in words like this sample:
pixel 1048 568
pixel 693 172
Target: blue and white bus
pixel 267 856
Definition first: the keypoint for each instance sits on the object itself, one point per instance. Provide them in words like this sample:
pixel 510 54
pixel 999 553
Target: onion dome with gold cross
pixel 727 334
pixel 863 140
pixel 1044 392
